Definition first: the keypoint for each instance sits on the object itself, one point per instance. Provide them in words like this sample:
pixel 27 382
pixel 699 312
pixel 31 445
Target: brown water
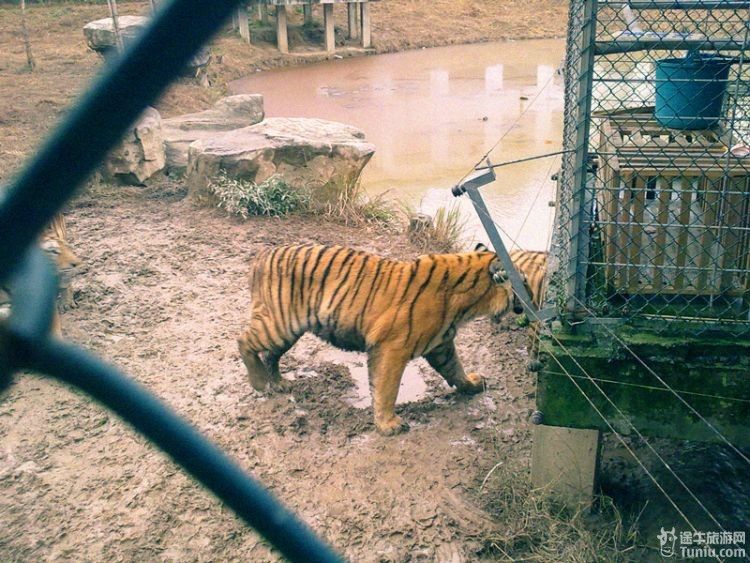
pixel 432 113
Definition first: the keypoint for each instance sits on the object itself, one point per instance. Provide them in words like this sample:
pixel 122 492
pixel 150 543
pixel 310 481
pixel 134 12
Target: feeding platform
pixel 358 20
pixel 673 207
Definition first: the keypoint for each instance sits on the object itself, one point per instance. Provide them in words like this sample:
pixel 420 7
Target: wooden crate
pixel 674 208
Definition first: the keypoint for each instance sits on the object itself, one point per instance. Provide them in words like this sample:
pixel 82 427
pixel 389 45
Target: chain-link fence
pixel 654 202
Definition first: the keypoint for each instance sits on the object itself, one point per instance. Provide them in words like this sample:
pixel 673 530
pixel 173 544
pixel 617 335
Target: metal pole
pixel 579 221
pixel 115 23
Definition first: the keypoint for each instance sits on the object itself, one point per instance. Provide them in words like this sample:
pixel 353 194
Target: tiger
pixel 532 266
pixel 393 310
pixel 53 241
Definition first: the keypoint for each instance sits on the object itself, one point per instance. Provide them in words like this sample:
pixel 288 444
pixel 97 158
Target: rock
pixel 100 37
pixel 140 155
pixel 100 34
pixel 233 112
pixel 305 153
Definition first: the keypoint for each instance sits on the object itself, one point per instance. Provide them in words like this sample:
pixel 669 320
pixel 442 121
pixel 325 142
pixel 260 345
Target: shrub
pixel 444 232
pixel 271 197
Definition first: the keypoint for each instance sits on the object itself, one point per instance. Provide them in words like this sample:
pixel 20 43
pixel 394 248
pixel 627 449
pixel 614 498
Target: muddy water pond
pixel 432 113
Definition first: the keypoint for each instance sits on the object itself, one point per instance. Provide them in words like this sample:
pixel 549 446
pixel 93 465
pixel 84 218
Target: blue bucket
pixel 690 91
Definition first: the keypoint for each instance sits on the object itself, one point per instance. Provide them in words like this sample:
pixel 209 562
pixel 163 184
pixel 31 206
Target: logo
pixel 667 539
pixel 697 544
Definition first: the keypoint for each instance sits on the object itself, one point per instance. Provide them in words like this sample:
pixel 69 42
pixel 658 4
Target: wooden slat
pixel 731 239
pixel 682 238
pixel 636 234
pixel 664 185
pixel 711 205
pixel 621 236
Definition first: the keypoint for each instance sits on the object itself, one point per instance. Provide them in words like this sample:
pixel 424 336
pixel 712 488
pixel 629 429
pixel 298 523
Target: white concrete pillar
pixel 364 21
pixel 243 22
pixel 565 462
pixel 351 10
pixel 282 39
pixel 330 35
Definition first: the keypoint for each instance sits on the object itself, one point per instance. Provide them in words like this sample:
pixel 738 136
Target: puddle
pixel 432 113
pixel 413 386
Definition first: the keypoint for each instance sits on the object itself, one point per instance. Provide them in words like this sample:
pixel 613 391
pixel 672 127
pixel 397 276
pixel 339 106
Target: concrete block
pixel 565 462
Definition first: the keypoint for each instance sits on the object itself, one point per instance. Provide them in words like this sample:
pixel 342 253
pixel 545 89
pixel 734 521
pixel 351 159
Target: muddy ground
pixel 164 297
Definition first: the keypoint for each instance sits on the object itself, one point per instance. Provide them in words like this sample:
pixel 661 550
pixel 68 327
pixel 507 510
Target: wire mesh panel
pixel 654 204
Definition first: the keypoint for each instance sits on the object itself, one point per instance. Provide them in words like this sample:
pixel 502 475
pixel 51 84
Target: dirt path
pixel 164 298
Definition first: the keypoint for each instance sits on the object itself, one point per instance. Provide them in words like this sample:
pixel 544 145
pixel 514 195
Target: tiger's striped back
pixel 356 300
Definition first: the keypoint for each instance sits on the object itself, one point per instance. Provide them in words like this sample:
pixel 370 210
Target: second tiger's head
pixel 501 294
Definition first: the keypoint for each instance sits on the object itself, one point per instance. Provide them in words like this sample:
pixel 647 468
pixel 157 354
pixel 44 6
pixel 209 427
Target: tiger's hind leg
pixel 386 367
pixel 444 360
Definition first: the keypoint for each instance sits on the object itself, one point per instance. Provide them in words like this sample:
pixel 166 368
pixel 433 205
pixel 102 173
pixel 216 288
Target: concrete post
pixel 307 10
pixel 351 10
pixel 565 462
pixel 282 40
pixel 243 22
pixel 330 36
pixel 364 20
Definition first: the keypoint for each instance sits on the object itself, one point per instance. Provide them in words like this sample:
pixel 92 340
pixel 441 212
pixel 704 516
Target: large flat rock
pixel 232 112
pixel 100 37
pixel 100 34
pixel 305 153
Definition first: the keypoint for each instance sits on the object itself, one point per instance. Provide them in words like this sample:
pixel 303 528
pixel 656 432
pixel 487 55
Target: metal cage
pixel 653 217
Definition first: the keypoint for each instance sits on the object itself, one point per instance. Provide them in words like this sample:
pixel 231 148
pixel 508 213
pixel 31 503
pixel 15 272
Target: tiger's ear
pixel 481 248
pixel 497 272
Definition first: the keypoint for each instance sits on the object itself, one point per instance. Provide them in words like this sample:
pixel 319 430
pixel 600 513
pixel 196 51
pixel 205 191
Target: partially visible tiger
pixel 393 310
pixel 53 242
pixel 532 265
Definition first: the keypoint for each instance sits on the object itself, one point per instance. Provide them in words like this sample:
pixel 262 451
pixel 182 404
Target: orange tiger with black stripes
pixel 54 242
pixel 393 310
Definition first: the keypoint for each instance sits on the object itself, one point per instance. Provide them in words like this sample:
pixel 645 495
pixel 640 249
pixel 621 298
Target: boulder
pixel 233 112
pixel 305 153
pixel 100 37
pixel 140 155
pixel 100 34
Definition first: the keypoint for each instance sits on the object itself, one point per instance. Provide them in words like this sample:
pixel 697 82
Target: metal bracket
pixel 470 186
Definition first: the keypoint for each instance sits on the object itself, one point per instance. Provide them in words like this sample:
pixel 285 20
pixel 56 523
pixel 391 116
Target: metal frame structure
pixel 633 224
pixel 130 83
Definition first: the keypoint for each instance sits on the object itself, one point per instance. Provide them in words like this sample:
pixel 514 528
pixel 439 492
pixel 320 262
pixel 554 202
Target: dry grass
pixel 347 202
pixel 534 527
pixel 444 233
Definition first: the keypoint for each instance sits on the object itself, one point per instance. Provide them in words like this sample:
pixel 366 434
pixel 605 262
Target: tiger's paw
pixel 281 386
pixel 473 384
pixel 395 425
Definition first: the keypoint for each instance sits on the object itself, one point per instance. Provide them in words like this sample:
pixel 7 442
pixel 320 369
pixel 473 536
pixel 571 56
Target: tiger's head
pixel 502 294
pixel 53 242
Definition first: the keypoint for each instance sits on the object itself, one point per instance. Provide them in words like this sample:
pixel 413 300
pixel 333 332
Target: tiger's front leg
pixel 386 367
pixel 444 360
